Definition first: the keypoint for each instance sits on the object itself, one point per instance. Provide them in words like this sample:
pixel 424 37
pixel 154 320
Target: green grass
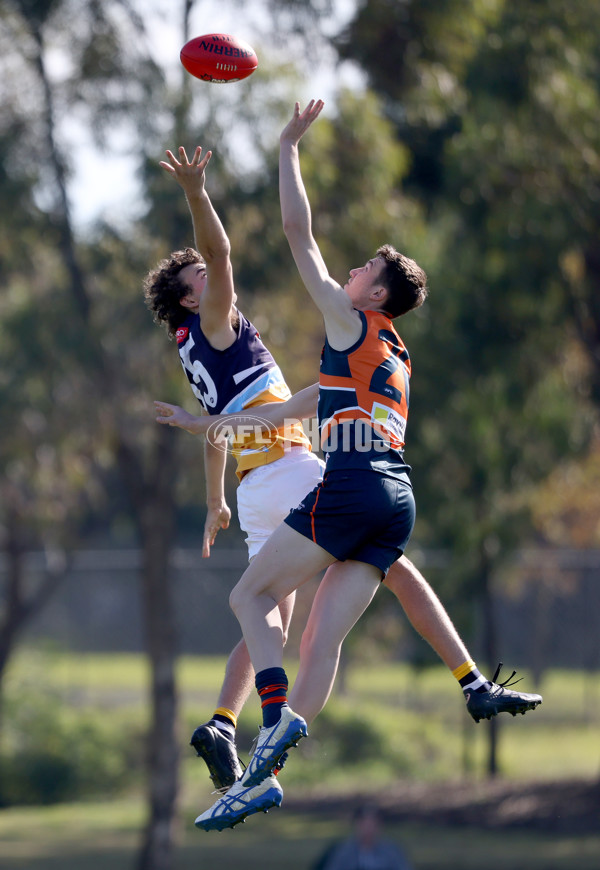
pixel 105 836
pixel 420 718
pixel 411 725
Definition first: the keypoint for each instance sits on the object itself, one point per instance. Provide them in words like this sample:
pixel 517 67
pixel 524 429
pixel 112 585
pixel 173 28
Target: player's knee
pixel 401 574
pixel 236 599
pixel 405 564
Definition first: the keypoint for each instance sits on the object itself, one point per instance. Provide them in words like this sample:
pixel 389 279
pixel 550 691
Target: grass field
pixel 105 836
pixel 422 719
pixel 421 733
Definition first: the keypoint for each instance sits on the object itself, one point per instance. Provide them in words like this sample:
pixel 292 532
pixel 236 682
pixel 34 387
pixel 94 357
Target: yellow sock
pixel 464 669
pixel 225 713
pixel 470 678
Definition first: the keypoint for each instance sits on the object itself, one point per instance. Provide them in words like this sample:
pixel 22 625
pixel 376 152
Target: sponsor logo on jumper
pixel 241 376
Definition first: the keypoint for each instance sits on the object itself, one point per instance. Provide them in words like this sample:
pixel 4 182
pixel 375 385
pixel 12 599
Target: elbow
pixel 295 233
pixel 291 226
pixel 218 253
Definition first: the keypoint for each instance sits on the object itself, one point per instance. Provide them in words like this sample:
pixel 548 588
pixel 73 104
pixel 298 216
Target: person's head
pixel 174 287
pixel 367 822
pixel 389 282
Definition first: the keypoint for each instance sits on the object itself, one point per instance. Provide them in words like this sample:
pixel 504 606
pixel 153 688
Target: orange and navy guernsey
pixel 242 376
pixel 363 400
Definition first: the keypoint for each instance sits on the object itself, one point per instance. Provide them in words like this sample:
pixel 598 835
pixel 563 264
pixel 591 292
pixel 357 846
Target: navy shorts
pixel 358 514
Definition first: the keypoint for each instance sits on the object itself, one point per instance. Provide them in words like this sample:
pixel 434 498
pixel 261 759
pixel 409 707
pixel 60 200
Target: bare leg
pixel 238 682
pixel 426 612
pixel 214 741
pixel 342 597
pixel 484 698
pixel 285 562
pixel 319 652
pixel 320 649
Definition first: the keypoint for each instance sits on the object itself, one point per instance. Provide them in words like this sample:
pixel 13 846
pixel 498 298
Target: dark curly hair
pixel 404 280
pixel 163 289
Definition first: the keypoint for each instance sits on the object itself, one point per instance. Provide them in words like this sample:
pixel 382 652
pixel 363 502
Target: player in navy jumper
pixel 229 369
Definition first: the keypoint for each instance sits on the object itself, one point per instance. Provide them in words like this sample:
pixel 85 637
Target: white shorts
pixel 268 493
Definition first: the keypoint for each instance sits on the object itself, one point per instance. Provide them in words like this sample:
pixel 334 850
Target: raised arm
pixel 274 415
pixel 210 237
pixel 342 323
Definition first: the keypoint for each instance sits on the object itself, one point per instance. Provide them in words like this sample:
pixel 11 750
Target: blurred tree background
pixel 472 143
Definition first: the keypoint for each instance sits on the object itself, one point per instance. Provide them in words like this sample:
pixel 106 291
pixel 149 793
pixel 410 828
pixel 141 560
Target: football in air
pixel 218 58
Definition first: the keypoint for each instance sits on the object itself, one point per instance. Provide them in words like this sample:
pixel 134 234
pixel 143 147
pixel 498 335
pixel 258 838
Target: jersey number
pixel 202 384
pixel 380 380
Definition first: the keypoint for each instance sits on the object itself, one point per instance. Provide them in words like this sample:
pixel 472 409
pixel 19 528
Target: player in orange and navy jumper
pixel 368 382
pixel 363 409
pixel 357 522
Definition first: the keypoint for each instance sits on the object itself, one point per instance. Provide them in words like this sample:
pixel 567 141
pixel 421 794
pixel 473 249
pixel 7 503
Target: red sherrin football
pixel 218 57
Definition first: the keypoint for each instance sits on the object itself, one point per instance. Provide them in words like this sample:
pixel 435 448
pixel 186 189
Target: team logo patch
pixel 181 334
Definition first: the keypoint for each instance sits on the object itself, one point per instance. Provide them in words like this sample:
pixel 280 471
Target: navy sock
pixel 271 685
pixel 224 726
pixel 471 679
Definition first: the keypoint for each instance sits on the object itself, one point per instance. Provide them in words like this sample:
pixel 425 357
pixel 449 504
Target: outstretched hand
pixel 173 415
pixel 301 121
pixel 188 173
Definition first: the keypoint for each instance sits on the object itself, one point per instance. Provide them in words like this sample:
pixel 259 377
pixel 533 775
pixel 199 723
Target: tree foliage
pixel 475 150
pixel 495 105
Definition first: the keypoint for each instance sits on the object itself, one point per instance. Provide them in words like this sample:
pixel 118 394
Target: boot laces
pixel 506 683
pixel 254 743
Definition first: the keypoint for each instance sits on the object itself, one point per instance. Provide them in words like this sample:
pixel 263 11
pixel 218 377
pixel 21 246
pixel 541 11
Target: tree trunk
pixel 541 626
pixel 20 605
pixel 156 852
pixel 150 491
pixel 491 651
pixel 149 484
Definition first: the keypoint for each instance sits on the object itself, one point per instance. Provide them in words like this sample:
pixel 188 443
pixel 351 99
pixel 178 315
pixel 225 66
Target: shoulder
pixel 337 344
pixel 185 327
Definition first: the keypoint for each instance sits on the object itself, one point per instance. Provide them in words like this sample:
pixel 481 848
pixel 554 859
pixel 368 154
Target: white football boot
pixel 272 743
pixel 240 801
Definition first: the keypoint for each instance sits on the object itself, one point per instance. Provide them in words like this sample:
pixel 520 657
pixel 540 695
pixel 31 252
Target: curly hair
pixel 405 281
pixel 163 289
